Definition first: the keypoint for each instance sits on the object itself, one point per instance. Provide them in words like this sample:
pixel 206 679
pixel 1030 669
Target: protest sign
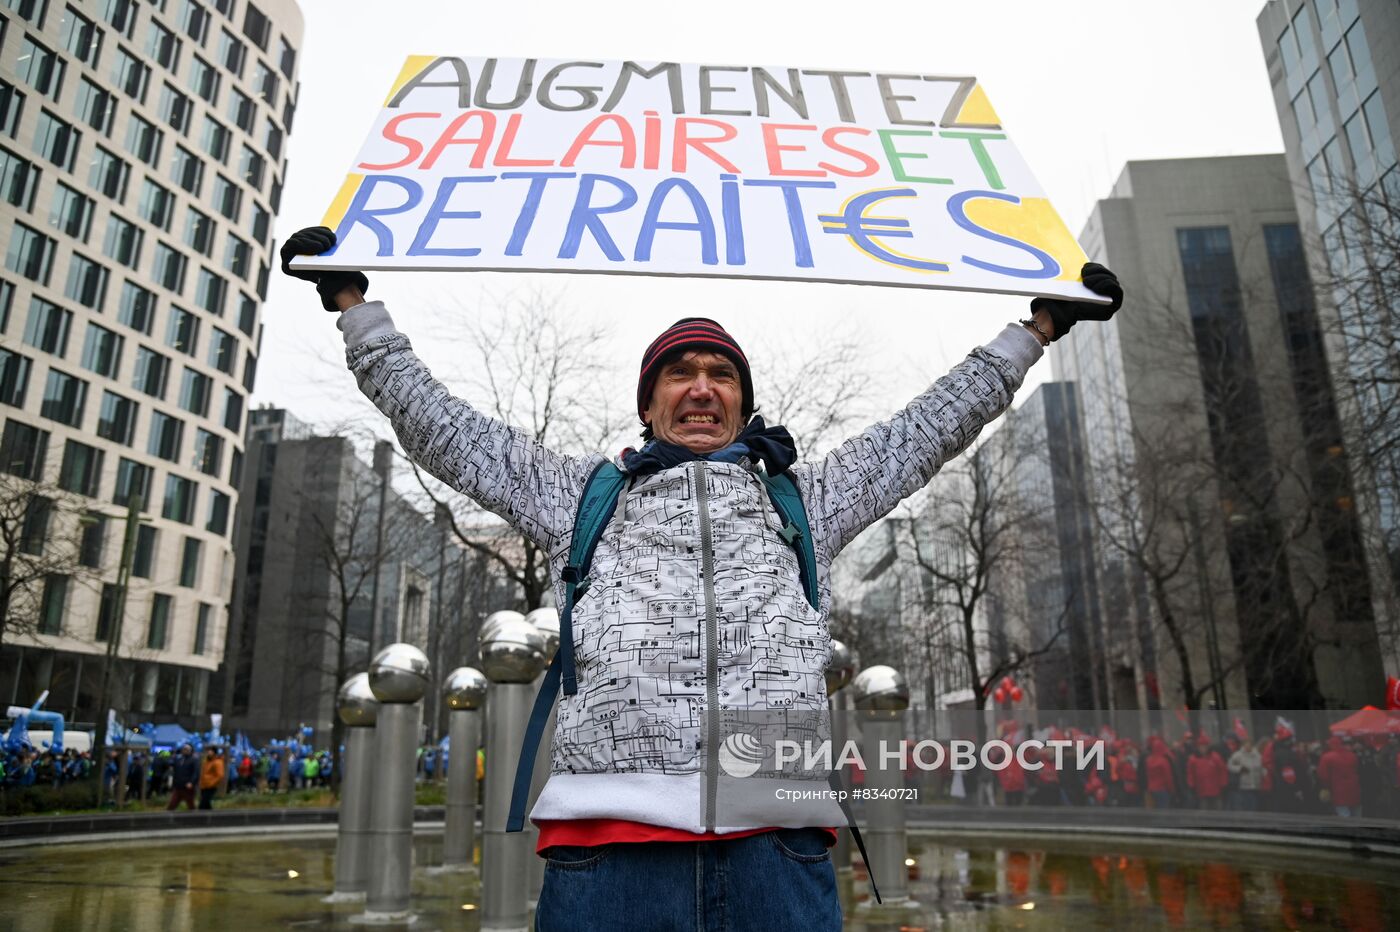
pixel 698 170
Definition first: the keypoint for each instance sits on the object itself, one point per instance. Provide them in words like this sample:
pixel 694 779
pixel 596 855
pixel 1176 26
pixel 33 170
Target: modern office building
pixel 1226 529
pixel 1335 70
pixel 1043 605
pixel 142 157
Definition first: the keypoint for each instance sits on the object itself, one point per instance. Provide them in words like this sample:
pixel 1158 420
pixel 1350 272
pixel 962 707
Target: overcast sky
pixel 1080 86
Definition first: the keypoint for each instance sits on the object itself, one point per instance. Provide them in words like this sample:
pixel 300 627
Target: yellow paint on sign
pixel 336 212
pixel 977 109
pixel 1035 223
pixel 412 67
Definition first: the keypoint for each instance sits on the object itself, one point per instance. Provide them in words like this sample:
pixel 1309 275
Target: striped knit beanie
pixel 687 335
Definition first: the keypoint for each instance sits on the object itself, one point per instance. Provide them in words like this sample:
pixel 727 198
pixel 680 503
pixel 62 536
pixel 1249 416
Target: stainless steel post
pixel 464 692
pixel 882 695
pixel 839 670
pixel 398 676
pixel 511 655
pixel 358 709
pixel 546 619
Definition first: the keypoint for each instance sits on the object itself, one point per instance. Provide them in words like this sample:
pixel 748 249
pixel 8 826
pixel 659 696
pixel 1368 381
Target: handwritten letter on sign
pixel 673 169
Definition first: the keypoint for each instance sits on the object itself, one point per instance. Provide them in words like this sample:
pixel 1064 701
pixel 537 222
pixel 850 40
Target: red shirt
pixel 589 832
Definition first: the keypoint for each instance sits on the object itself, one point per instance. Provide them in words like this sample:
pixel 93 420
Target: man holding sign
pixel 704 596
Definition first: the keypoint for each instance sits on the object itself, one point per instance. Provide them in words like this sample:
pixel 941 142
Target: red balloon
pixel 1017 694
pixel 1006 682
pixel 999 695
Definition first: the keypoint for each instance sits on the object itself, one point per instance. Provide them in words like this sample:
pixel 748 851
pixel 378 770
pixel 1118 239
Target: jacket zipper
pixel 707 576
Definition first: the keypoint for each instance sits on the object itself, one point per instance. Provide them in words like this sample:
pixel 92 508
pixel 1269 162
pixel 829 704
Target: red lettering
pixel 682 141
pixel 449 138
pixel 507 140
pixel 774 150
pixel 626 141
pixel 829 137
pixel 391 133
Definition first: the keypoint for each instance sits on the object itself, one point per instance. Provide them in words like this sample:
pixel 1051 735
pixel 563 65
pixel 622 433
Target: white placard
pixel 698 170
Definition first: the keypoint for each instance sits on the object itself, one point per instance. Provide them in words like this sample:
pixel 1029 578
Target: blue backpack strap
pixel 787 502
pixel 596 507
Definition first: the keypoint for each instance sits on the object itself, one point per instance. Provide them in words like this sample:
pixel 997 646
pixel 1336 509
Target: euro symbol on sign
pixel 863 230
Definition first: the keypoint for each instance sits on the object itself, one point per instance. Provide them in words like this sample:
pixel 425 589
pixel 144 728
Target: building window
pixel 123 241
pixel 96 106
pixel 138 307
pixel 251 166
pixel 232 52
pixel 81 470
pixel 237 256
pixel 31 254
pixel 195 391
pixel 30 10
pixel 166 432
pixel 94 535
pixel 160 622
pixel 175 109
pixel 266 83
pixel 51 608
pixel 187 170
pixel 14 377
pixel 57 140
pixel 201 627
pixel 116 420
pixel 81 37
pixel 64 398
pixel 34 530
pixel 272 139
pixel 262 223
pixel 11 108
pixel 179 499
pixel 143 555
pixel 208 452
pixel 241 110
pixel 23 449
pixel 40 68
pixel 120 14
pixel 144 140
pixel 194 20
pixel 218 512
pixel 131 74
pixel 106 613
pixel 223 349
pixel 109 174
pixel 102 351
pixel 228 197
pixel 157 204
pixel 152 371
pixel 47 327
pixel 257 26
pixel 189 562
pixel 71 212
pixel 19 179
pixel 235 468
pixel 182 331
pixel 233 411
pixel 215 139
pixel 204 79
pixel 162 46
pixel 169 268
pixel 87 282
pixel 199 231
pixel 132 479
pixel 247 313
pixel 210 291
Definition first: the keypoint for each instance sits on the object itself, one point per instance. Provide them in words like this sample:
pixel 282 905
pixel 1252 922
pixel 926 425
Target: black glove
pixel 312 241
pixel 1064 314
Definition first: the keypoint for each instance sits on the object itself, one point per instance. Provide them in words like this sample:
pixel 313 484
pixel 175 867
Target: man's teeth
pixel 698 419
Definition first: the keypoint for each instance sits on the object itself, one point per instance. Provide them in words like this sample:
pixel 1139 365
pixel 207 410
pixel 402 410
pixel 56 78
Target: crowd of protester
pixel 31 767
pixel 1341 776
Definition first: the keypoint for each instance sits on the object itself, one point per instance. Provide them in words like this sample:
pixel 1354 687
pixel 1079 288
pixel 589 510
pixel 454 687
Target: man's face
pixel 697 402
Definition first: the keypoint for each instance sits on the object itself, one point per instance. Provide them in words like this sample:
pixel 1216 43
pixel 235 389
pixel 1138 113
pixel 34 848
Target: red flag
pixel 1392 693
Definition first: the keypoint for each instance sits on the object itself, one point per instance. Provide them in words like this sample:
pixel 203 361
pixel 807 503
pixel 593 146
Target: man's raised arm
pixel 502 468
pixel 864 478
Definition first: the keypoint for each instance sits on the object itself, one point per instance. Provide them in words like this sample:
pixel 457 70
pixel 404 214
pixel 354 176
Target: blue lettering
pixel 526 219
pixel 1049 268
pixel 732 219
pixel 704 224
pixel 359 211
pixel 585 216
pixel 797 224
pixel 440 212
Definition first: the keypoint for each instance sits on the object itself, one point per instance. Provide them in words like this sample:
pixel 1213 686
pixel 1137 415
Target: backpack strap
pixel 596 507
pixel 787 502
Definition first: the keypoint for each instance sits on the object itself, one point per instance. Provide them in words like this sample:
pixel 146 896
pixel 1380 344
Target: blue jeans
pixel 779 881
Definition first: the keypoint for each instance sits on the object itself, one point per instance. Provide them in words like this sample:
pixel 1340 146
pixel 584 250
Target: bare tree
pixel 40 547
pixel 816 386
